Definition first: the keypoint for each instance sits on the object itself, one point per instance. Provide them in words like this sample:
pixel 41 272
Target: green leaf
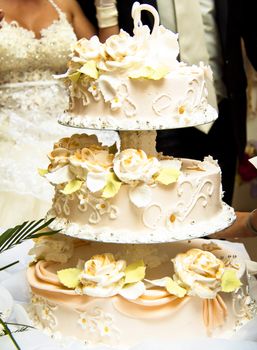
pixel 174 289
pixel 74 77
pixel 167 176
pixel 112 186
pixel 89 69
pixel 69 277
pixel 72 186
pixel 42 172
pixel 135 272
pixel 20 233
pixel 230 281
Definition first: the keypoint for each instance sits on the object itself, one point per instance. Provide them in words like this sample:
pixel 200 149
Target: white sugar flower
pixel 56 248
pixel 103 276
pixel 200 272
pixel 134 165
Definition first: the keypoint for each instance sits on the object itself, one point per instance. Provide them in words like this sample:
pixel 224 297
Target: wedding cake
pixel 107 81
pixel 111 189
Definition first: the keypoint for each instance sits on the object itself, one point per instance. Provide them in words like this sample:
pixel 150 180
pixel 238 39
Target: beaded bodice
pixel 23 57
pixel 30 101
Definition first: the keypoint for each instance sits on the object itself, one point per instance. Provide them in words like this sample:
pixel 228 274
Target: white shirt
pixel 167 13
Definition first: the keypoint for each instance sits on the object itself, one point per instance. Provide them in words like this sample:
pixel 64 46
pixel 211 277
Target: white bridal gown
pixel 30 100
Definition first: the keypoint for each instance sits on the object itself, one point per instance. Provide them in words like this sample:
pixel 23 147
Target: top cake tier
pixel 135 82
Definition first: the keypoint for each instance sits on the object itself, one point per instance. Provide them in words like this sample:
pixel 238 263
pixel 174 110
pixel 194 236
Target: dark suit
pixel 227 139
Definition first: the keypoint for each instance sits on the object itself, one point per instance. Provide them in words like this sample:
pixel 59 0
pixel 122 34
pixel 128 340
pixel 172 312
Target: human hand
pixel 238 229
pixel 106 13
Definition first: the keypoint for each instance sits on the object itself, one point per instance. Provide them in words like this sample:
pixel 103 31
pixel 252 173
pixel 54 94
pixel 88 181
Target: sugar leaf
pixel 135 272
pixel 74 77
pixel 174 289
pixel 167 176
pixel 42 172
pixel 230 281
pixel 112 186
pixel 72 186
pixel 89 69
pixel 69 277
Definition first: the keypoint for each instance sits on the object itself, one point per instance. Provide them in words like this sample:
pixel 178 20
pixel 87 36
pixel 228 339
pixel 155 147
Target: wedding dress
pixel 30 100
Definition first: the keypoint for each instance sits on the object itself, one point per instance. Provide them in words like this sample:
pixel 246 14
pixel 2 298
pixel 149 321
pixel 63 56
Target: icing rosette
pixel 200 272
pixel 134 165
pixel 123 52
pixel 57 248
pixel 102 276
pixel 97 162
pixel 88 49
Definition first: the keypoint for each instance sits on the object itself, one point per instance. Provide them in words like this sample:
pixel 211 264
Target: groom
pixel 224 23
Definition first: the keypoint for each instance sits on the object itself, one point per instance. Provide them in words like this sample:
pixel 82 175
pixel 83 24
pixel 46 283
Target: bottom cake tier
pixel 122 295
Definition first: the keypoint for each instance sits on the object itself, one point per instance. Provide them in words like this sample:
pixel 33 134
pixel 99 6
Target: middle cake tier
pixel 129 196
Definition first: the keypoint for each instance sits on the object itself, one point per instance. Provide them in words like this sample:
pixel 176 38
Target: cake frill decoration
pixel 197 273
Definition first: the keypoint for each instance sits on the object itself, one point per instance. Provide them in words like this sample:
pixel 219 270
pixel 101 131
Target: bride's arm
pixel 107 20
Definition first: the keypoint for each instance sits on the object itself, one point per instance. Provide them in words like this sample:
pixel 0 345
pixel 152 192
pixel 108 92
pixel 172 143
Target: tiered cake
pixel 125 193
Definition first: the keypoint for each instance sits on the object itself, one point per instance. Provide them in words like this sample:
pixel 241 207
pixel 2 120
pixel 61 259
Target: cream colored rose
pixel 85 49
pixel 94 158
pixel 134 165
pixel 200 272
pixel 59 157
pixel 103 276
pixel 56 248
pixel 122 52
pixel 97 162
pixel 76 141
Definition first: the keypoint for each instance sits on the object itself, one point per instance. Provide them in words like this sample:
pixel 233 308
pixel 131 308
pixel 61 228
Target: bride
pixel 35 41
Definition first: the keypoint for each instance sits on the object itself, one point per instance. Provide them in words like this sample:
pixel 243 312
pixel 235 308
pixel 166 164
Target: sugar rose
pixel 94 159
pixel 122 52
pixel 56 248
pixel 85 49
pixel 134 165
pixel 200 272
pixel 103 276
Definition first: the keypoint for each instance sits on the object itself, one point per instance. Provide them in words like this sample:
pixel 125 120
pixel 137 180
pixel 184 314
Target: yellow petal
pixel 69 277
pixel 174 289
pixel 42 172
pixel 112 186
pixel 135 272
pixel 89 69
pixel 167 176
pixel 72 186
pixel 229 281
